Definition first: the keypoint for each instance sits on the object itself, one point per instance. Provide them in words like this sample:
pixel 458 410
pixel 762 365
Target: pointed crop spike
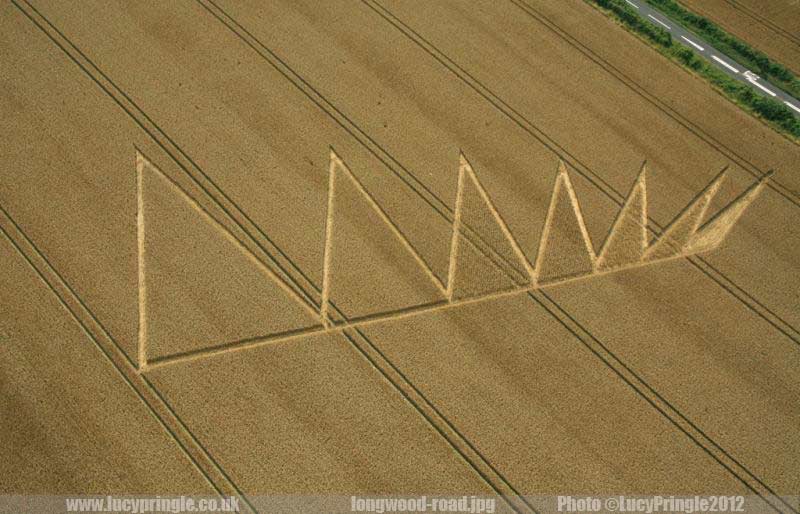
pixel 627 239
pixel 336 162
pixel 565 248
pixel 455 237
pixel 712 233
pixel 497 237
pixel 676 237
pixel 562 168
pixel 140 160
pixel 462 160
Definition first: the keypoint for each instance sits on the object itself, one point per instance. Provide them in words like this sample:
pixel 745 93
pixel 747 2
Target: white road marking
pixel 724 64
pixel 693 43
pixel 762 88
pixel 750 78
pixel 659 21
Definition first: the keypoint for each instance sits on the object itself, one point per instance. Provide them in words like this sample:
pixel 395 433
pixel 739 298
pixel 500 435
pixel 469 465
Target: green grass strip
pixel 774 112
pixel 730 46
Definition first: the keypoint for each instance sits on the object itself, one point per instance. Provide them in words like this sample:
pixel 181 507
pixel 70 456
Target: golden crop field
pixel 303 253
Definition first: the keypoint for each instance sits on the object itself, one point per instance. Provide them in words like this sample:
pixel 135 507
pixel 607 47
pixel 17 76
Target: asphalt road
pixel 714 56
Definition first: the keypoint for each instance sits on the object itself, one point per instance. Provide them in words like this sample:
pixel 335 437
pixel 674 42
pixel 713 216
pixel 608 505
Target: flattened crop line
pixel 110 348
pixel 146 391
pixel 173 157
pixel 726 283
pixel 272 255
pixel 473 457
pixel 404 390
pixel 235 346
pixel 752 303
pixel 341 119
pixel 788 194
pixel 739 471
pixel 457 440
pixel 727 467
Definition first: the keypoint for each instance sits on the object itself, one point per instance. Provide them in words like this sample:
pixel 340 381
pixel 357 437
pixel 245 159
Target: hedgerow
pixel 774 112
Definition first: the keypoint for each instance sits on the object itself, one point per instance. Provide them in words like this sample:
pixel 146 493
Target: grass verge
pixel 730 46
pixel 773 112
